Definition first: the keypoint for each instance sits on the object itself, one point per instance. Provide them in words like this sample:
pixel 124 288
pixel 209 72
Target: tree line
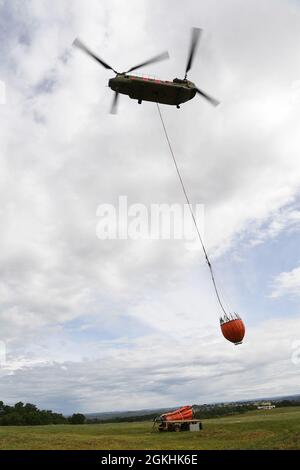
pixel 28 414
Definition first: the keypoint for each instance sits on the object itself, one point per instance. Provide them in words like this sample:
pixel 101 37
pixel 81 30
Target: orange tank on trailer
pixel 183 413
pixel 181 419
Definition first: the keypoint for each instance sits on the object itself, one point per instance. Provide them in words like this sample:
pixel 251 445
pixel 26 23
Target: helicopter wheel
pixel 139 101
pixel 177 106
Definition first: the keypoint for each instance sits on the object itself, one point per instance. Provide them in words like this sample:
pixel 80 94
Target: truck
pixel 182 419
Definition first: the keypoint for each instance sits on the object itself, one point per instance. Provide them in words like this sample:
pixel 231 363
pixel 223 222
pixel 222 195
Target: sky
pixel 97 325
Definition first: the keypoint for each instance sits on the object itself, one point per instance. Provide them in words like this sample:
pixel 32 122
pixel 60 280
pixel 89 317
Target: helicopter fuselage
pixel 148 89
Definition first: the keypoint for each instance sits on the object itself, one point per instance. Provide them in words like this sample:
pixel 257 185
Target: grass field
pixel 274 429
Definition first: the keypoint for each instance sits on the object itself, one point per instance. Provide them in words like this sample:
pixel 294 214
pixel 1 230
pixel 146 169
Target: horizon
pixel 197 404
pixel 277 398
pixel 88 323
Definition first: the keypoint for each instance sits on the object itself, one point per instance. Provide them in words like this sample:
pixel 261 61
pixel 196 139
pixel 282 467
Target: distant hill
pixel 108 415
pixel 127 414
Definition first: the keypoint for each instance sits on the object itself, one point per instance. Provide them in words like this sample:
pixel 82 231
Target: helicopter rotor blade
pixel 157 58
pixel 77 43
pixel 209 98
pixel 196 32
pixel 114 105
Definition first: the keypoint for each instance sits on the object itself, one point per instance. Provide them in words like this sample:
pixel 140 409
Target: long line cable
pixel 191 211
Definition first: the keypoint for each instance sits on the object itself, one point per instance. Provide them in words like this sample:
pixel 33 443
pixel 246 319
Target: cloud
pixel 287 283
pixel 162 371
pixel 63 155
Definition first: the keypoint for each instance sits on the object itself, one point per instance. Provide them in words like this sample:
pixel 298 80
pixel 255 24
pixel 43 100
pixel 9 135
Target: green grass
pixel 274 429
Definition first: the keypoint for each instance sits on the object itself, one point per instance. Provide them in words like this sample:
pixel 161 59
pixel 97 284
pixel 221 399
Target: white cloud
pixel 62 155
pixel 160 370
pixel 287 283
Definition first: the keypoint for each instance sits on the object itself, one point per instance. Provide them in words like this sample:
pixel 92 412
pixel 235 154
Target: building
pixel 265 406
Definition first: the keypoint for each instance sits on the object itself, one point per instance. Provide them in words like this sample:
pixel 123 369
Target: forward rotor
pixel 80 45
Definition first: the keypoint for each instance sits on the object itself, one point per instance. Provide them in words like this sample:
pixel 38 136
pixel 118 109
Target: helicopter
pixel 147 89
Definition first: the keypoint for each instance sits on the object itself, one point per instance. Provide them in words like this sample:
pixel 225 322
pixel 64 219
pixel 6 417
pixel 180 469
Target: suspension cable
pixel 191 211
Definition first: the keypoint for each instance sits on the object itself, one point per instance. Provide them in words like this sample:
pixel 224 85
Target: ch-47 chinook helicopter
pixel 146 89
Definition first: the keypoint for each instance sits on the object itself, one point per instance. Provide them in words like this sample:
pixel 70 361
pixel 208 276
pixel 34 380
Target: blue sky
pixel 94 325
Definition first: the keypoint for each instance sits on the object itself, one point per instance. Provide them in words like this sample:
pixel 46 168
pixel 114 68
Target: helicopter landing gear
pixel 177 106
pixel 139 101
